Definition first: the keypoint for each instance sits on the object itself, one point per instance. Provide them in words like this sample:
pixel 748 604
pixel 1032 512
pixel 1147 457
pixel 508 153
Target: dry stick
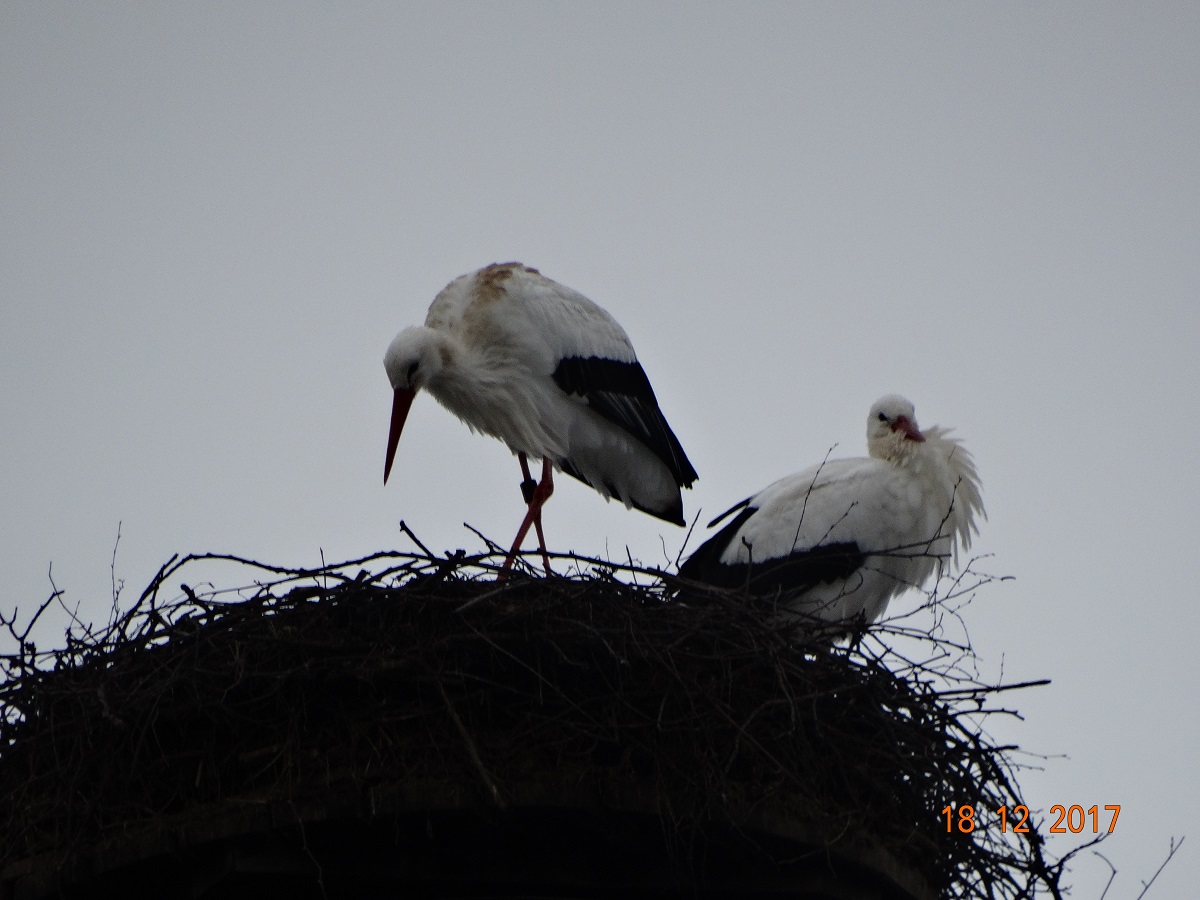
pixel 1112 873
pixel 1170 854
pixel 971 692
pixel 493 547
pixel 472 750
pixel 404 529
pixel 308 852
pixel 112 568
pixel 687 537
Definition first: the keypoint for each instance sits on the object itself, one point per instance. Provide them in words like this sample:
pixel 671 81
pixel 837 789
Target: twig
pixel 404 529
pixel 472 750
pixel 1170 853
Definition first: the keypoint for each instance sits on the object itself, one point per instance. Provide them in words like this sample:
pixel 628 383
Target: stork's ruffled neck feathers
pixel 952 473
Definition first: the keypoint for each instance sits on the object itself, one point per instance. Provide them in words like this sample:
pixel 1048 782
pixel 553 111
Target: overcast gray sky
pixel 217 215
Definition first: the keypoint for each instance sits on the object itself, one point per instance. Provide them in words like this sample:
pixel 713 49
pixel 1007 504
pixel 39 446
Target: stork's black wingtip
pixel 672 514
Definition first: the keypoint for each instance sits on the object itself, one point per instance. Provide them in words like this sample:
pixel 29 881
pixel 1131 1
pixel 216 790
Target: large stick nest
pixel 409 679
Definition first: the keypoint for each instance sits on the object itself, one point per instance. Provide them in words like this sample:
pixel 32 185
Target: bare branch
pixel 1175 845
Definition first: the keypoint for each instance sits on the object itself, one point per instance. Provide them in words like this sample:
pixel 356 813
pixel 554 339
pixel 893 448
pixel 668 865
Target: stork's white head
pixel 415 358
pixel 892 428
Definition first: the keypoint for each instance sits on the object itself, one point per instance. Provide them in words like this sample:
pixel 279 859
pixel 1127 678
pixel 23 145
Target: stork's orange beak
pixel 400 404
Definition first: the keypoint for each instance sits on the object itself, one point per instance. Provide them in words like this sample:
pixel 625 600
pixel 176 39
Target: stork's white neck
pixel 894 447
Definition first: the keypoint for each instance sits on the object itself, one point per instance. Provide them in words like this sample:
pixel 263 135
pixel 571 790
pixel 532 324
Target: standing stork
pixel 544 369
pixel 837 541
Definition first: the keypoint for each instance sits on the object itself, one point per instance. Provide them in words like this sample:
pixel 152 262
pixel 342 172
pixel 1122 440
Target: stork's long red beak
pixel 400 404
pixel 907 428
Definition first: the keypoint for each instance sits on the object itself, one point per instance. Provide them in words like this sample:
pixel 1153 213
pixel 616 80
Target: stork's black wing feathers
pixel 731 509
pixel 621 392
pixel 705 564
pixel 787 574
pixel 801 571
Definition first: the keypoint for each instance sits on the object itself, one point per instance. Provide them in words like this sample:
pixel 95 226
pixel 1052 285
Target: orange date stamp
pixel 1072 819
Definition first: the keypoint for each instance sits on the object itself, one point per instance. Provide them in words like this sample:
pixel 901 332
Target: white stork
pixel 544 369
pixel 837 541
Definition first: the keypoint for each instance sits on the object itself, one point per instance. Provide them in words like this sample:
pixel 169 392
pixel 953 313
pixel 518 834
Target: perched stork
pixel 837 541
pixel 544 369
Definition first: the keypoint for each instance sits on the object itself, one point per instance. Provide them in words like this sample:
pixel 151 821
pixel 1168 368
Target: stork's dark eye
pixel 411 370
pixel 882 416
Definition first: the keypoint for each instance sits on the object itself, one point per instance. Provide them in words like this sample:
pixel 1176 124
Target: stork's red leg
pixel 545 489
pixel 534 515
pixel 528 486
